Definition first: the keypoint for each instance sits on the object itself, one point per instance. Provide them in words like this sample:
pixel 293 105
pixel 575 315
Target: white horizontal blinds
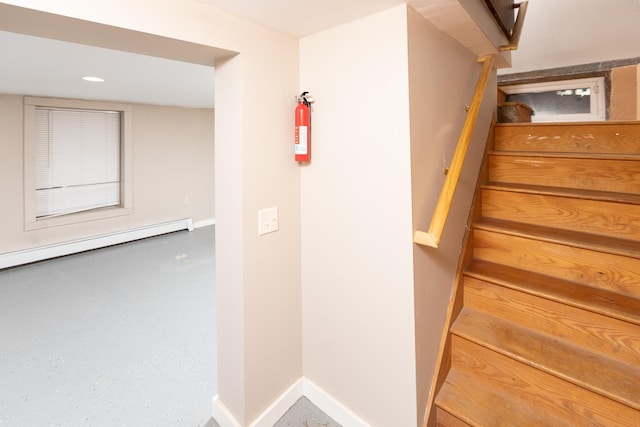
pixel 77 160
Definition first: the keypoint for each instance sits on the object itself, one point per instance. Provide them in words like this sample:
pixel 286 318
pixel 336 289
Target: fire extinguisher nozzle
pixel 305 97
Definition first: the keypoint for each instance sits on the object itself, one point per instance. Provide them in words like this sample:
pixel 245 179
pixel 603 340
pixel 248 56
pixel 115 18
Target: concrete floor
pixel 121 336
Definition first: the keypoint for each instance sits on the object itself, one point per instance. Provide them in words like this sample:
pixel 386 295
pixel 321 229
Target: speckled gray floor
pixel 305 414
pixel 121 336
pixel 302 414
pixel 212 423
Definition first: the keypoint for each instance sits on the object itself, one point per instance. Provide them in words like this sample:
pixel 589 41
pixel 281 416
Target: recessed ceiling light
pixel 93 79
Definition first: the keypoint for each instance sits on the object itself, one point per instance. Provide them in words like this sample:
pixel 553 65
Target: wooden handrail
pixel 432 237
pixel 514 40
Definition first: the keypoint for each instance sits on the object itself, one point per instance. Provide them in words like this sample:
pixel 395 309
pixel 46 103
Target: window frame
pixel 597 104
pixel 126 163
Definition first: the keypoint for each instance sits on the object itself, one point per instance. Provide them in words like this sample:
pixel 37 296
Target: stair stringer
pixel 443 363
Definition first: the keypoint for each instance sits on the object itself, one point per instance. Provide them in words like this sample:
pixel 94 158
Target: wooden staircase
pixel 545 322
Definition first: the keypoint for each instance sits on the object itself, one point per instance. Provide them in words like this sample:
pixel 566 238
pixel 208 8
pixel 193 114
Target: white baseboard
pixel 12 259
pixel 303 387
pixel 222 415
pixel 280 406
pixel 330 406
pixel 204 223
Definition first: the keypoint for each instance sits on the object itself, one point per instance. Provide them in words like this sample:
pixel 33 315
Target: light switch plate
pixel 267 220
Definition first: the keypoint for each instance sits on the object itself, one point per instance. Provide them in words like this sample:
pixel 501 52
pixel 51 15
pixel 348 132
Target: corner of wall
pixel 303 387
pixel 356 212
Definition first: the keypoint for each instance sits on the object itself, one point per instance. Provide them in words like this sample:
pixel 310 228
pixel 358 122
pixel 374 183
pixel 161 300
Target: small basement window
pixel 561 101
pixel 76 161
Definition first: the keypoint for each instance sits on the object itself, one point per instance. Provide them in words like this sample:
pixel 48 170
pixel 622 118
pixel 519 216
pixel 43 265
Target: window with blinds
pixel 77 156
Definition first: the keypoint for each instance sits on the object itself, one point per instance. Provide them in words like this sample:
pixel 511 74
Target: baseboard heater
pixel 12 259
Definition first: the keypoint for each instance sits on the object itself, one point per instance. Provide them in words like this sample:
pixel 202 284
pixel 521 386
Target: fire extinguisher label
pixel 301 145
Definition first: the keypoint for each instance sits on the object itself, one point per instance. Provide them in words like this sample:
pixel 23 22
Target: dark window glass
pixel 555 102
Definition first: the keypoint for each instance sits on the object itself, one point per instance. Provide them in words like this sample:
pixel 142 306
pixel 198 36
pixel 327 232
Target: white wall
pixel 559 33
pixel 442 78
pixel 357 284
pixel 331 295
pixel 173 150
pixel 258 279
pixel 390 91
pixel 173 156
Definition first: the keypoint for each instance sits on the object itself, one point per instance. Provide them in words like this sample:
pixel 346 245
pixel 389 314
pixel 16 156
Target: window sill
pixel 93 215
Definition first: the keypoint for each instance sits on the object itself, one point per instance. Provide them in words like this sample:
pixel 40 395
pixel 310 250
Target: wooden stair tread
pixel 594 242
pixel 567 155
pixel 550 394
pixel 574 193
pixel 611 123
pixel 476 403
pixel 593 371
pixel 593 299
pixel 605 335
pixel 594 137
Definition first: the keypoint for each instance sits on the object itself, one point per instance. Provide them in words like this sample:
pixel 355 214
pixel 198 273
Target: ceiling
pixel 44 67
pixel 302 17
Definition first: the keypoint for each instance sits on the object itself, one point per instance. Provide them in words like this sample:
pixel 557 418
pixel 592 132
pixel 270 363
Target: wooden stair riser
pixel 589 216
pixel 549 394
pixel 617 273
pixel 621 176
pixel 595 300
pixel 480 405
pixel 610 137
pixel 576 364
pixel 445 419
pixel 611 337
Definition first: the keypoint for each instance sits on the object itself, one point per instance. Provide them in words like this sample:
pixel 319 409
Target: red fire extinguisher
pixel 302 148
